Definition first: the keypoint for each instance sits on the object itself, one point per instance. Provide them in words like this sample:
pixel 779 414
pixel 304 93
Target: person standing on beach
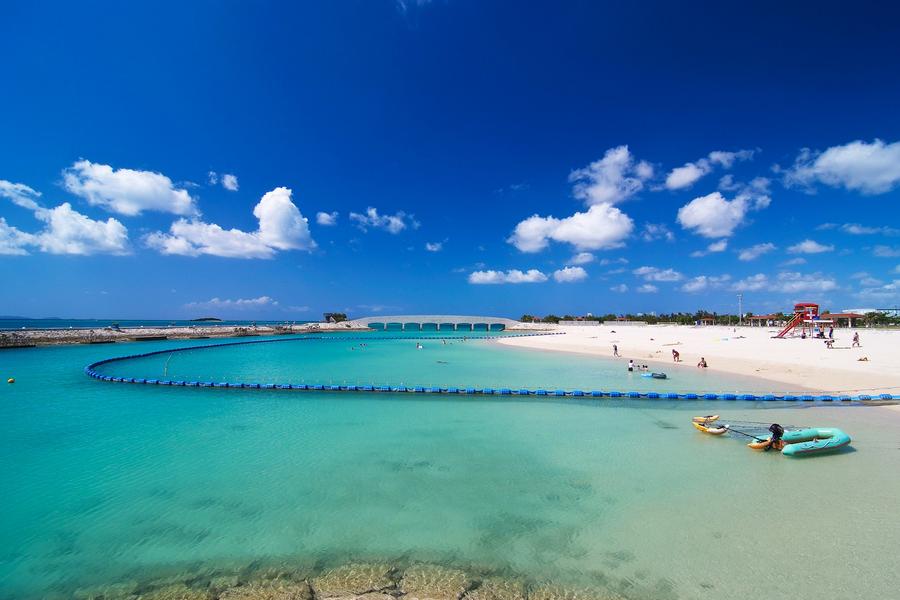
pixel 676 357
pixel 615 350
pixel 856 340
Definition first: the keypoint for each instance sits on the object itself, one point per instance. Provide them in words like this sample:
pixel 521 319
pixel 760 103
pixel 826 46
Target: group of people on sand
pixel 676 357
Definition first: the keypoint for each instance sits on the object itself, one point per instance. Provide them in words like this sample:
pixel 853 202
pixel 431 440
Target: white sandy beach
pixel 793 362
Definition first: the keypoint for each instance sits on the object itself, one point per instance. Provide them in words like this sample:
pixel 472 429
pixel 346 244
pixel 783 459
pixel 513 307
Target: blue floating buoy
pixel 596 393
pixel 634 394
pixel 729 396
pixel 615 394
pixel 652 395
pixel 672 396
pixel 711 396
pixel 578 393
pixel 540 392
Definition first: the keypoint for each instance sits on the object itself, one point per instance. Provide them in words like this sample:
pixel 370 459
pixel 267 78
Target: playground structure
pixel 806 317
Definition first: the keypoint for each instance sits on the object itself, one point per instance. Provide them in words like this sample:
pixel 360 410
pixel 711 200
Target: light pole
pixel 740 309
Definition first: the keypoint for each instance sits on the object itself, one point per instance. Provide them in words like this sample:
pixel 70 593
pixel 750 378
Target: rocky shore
pixel 358 581
pixel 108 335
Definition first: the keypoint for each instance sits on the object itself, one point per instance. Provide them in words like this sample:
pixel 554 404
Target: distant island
pixel 207 319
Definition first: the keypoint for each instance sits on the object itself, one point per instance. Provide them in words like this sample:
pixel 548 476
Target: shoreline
pixel 54 337
pixel 805 365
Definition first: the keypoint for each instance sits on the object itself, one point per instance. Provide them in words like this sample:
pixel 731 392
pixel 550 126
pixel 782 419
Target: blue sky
pixel 274 160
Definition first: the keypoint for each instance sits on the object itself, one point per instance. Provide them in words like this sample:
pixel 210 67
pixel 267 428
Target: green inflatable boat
pixel 815 440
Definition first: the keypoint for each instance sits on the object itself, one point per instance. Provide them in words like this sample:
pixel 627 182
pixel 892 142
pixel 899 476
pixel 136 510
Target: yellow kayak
pixel 710 430
pixel 706 420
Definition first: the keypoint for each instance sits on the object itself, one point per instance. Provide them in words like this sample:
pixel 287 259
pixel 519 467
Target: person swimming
pixel 631 365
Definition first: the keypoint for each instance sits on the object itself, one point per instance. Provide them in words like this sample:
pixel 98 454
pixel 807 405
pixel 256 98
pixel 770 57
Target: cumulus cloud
pixel 755 251
pixel 13 241
pixel 799 260
pixel 884 291
pixel 870 168
pixel 20 194
pixel 281 227
pixel 656 274
pixel 434 246
pixel 619 289
pixel 702 283
pixel 656 231
pixel 239 303
pixel 230 182
pixel 719 246
pixel 753 283
pixel 688 174
pixel 66 231
pixel 886 251
pixel 511 276
pixel 570 274
pixel 613 178
pixel 582 258
pixel 647 288
pixel 714 216
pixel 787 282
pixel 393 224
pixel 809 247
pixel 857 229
pixel 126 191
pixel 602 226
pixel 327 219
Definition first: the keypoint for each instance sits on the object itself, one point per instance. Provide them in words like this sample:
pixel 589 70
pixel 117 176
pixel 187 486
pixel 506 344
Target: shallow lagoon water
pixel 104 481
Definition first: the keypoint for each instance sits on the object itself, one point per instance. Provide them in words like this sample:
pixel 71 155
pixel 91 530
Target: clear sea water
pixel 18 323
pixel 103 481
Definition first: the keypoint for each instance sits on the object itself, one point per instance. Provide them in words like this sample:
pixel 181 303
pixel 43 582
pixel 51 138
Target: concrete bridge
pixel 434 323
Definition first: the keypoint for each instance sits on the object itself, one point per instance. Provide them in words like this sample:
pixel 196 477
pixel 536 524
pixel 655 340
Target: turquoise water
pixel 103 482
pixel 17 323
pixel 384 359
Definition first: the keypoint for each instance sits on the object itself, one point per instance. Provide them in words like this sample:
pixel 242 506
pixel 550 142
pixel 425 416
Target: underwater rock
pixel 433 582
pixel 116 591
pixel 269 590
pixel 555 592
pixel 178 591
pixel 495 588
pixel 353 580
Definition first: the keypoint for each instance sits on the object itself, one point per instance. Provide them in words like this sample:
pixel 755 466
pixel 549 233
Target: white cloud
pixel 685 176
pixel 66 231
pixel 434 246
pixel 870 168
pixel 602 226
pixel 619 289
pixel 794 261
pixel 582 258
pixel 888 291
pixel 656 274
pixel 656 231
pixel 393 224
pixel 240 303
pixel 886 251
pixel 327 219
pixel 809 247
pixel 511 276
pixel 70 232
pixel 787 282
pixel 753 283
pixel 613 261
pixel 281 227
pixel 20 194
pixel 213 178
pixel 755 251
pixel 704 282
pixel 613 178
pixel 647 288
pixel 126 191
pixel 570 275
pixel 714 216
pixel 719 246
pixel 13 241
pixel 230 182
pixel 791 282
